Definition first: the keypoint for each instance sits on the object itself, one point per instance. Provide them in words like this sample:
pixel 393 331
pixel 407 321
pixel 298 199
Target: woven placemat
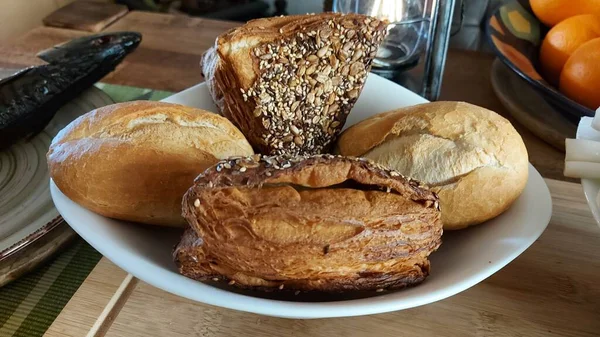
pixel 29 305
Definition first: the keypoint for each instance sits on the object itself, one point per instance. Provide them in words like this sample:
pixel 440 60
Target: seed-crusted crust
pixel 323 222
pixel 289 82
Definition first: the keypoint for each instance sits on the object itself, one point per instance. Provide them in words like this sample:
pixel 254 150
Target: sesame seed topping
pixel 197 203
pixel 308 80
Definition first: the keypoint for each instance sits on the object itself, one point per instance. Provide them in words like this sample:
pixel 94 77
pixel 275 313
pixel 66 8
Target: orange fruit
pixel 551 12
pixel 563 39
pixel 580 77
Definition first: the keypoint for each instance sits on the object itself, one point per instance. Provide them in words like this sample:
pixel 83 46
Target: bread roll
pixel 289 82
pixel 472 157
pixel 134 161
pixel 325 222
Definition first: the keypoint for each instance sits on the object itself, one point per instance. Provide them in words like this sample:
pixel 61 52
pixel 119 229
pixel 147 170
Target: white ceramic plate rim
pixel 179 285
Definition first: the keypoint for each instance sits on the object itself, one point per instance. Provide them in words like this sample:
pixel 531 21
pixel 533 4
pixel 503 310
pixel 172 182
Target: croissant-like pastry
pixel 321 222
pixel 289 82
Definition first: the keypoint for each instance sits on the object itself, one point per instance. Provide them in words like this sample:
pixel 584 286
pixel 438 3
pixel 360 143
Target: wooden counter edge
pixel 95 303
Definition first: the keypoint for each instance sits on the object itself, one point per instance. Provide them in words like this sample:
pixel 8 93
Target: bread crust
pixel 325 223
pixel 471 157
pixel 134 161
pixel 289 82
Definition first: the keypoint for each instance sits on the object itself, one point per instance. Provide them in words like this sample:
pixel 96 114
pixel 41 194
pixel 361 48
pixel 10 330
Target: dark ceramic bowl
pixel 515 35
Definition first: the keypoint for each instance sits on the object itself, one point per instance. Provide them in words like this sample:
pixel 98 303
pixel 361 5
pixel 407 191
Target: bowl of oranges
pixel 554 45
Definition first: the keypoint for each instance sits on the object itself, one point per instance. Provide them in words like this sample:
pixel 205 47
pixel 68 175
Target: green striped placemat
pixel 29 305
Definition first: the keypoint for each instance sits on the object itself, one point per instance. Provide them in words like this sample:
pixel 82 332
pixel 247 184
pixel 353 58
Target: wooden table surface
pixel 552 289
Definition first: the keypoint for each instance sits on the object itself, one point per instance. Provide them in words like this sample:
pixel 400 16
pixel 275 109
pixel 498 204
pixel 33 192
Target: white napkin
pixel 596 121
pixel 582 155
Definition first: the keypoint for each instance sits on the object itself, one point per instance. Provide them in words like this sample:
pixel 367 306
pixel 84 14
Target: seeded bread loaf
pixel 134 161
pixel 472 157
pixel 323 222
pixel 289 82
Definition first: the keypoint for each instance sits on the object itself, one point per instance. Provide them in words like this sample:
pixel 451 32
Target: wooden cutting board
pixel 89 16
pixel 552 289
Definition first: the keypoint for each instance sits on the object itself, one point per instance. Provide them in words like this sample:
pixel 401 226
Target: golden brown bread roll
pixel 472 157
pixel 289 82
pixel 322 222
pixel 134 161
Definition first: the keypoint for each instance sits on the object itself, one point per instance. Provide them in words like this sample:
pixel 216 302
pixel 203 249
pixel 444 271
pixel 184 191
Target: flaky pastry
pixel 323 222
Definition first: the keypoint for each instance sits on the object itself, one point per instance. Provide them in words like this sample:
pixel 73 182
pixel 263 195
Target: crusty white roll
pixel 472 157
pixel 134 161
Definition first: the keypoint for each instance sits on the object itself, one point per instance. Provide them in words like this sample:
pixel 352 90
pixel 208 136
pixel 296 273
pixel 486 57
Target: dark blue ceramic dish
pixel 515 35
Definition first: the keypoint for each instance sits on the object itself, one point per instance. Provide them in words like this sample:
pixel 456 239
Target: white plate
pixel 591 187
pixel 464 259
